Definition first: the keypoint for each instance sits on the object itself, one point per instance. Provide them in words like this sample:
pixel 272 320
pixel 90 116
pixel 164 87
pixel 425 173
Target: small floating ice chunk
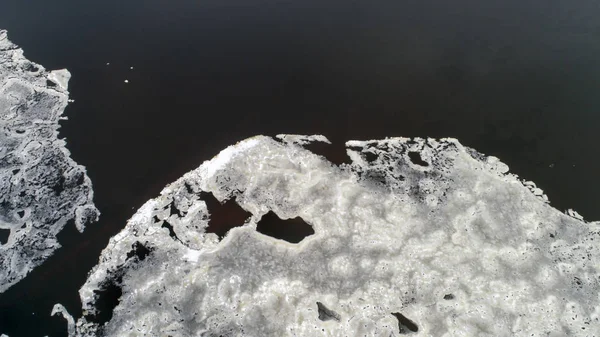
pixel 126 81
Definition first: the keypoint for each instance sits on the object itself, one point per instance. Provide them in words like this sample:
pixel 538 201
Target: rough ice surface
pixel 302 139
pixel 41 187
pixel 418 237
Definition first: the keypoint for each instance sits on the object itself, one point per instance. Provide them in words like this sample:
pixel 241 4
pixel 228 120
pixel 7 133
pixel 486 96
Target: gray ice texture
pixel 419 237
pixel 41 187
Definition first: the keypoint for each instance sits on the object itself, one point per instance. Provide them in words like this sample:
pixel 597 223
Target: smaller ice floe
pixel 41 188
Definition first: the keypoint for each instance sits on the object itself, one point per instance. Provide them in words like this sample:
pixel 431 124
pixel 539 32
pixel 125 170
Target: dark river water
pixel 516 79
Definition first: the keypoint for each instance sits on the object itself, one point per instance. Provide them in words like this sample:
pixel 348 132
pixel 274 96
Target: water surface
pixel 515 79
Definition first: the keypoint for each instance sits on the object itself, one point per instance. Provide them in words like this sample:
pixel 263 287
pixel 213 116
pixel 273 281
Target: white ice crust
pixel 452 243
pixel 302 139
pixel 41 187
pixel 60 77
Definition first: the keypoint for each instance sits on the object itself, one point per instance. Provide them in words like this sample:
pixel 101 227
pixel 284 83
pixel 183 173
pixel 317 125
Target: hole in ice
pixel 415 158
pixel 80 178
pixel 4 234
pixel 50 84
pixel 225 216
pixel 405 325
pixel 138 250
pixel 15 171
pixel 291 230
pixel 174 210
pixel 448 297
pixel 20 131
pixel 326 314
pixel 106 301
pixel 21 213
pixel 370 156
pixel 58 186
pixel 172 234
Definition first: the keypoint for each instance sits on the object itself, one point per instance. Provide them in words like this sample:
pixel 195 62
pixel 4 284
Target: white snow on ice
pixel 41 187
pixel 417 237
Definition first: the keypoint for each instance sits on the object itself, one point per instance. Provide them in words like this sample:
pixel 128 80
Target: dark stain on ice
pixel 449 297
pixel 138 250
pixel 291 230
pixel 375 176
pixel 223 216
pixel 405 325
pixel 58 186
pixel 4 234
pixel 578 283
pixel 326 314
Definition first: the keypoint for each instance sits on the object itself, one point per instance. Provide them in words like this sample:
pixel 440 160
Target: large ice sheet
pixel 420 237
pixel 41 187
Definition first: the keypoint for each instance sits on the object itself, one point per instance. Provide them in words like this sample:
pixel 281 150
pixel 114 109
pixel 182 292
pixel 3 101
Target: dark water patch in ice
pixel 405 325
pixel 4 233
pixel 326 314
pixel 291 230
pixel 223 216
pixel 416 159
pixel 107 298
